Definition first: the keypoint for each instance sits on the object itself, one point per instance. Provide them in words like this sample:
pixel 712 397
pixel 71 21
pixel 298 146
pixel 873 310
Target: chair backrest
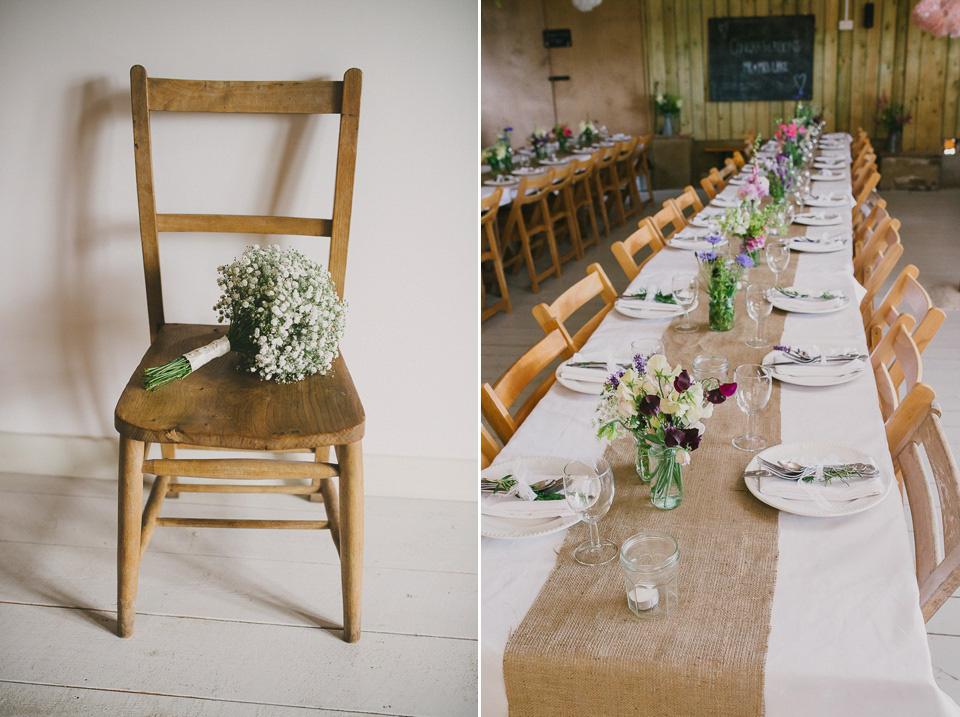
pixel 489 206
pixel 711 184
pixel 748 140
pixel 553 316
pixel 625 150
pixel 496 400
pixel 533 189
pixel 864 230
pixel 885 236
pixel 897 345
pixel 626 250
pixel 906 296
pixel 938 569
pixel 668 221
pixel 689 200
pixel 562 178
pixel 583 169
pixel 738 159
pixel 868 185
pixel 153 94
pixel 489 448
pixel 729 169
pixel 880 273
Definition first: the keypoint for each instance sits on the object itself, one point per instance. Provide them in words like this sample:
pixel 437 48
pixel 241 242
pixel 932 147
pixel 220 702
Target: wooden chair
pixel 627 179
pixel 219 407
pixel 938 570
pixel 689 200
pixel 496 400
pixel 489 448
pixel 864 230
pixel 860 175
pixel 552 316
pixel 560 202
pixel 641 168
pixel 860 195
pixel 626 250
pixel 906 297
pixel 668 221
pixel 729 169
pixel 738 160
pixel 878 269
pixel 897 346
pixel 712 184
pixel 583 199
pixel 489 207
pixel 532 192
pixel 884 236
pixel 748 141
pixel 605 184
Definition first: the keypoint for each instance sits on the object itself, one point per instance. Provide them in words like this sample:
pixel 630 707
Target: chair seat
pixel 219 406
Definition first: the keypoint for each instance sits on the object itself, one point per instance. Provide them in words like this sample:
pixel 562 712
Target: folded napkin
pixel 691 234
pixel 504 506
pixel 585 374
pixel 724 202
pixel 836 490
pixel 820 370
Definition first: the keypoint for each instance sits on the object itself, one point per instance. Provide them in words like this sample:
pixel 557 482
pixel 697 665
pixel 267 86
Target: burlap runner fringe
pixel 579 650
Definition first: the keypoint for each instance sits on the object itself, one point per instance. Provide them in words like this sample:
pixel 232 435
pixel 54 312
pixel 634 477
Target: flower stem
pixel 159 376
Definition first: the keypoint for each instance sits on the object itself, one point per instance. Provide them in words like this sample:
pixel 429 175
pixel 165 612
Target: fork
pixel 781 472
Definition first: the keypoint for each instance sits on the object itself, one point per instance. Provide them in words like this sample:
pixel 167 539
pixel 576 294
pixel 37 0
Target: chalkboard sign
pixel 557 38
pixel 761 58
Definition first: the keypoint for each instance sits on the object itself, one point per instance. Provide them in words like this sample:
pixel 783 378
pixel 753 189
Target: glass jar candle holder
pixel 650 565
pixel 711 366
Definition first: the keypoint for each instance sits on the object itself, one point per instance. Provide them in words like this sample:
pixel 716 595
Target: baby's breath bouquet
pixel 286 319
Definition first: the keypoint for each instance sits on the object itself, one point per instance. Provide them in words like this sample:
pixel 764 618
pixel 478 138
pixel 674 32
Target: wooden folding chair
pixel 897 346
pixel 218 407
pixel 686 201
pixel 713 183
pixel 627 178
pixel 489 207
pixel 552 316
pixel 605 183
pixel 938 569
pixel 906 297
pixel 625 251
pixel 667 222
pixel 864 230
pixel 532 192
pixel 729 169
pixel 489 448
pixel 583 199
pixel 562 210
pixel 496 400
pixel 641 168
pixel 871 256
pixel 748 141
pixel 860 195
pixel 738 160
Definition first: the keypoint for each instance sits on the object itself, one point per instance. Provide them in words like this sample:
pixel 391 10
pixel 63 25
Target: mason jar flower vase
pixel 642 458
pixel 721 310
pixel 666 477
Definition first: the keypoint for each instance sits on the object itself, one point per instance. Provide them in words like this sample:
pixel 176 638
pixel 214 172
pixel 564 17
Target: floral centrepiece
pixel 790 140
pixel 668 104
pixel 892 117
pixel 563 134
pixel 499 158
pixel 588 131
pixel 720 277
pixel 538 141
pixel 749 222
pixel 286 319
pixel 662 406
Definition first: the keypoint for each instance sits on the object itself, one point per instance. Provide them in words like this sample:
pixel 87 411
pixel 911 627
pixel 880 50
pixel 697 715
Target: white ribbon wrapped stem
pixel 206 354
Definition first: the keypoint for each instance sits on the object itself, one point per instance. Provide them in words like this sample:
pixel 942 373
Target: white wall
pixel 72 301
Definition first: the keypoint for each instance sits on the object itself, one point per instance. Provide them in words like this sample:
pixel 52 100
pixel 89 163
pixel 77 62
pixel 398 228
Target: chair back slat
pixel 897 346
pixel 626 250
pixel 552 316
pixel 689 199
pixel 922 511
pixel 669 216
pixel 489 449
pixel 312 97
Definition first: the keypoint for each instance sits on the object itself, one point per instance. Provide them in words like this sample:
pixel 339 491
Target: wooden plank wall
pixel 852 69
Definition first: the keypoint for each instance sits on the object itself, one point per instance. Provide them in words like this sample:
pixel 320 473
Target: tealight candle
pixel 645 598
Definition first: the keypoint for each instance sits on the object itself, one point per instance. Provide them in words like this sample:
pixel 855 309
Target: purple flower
pixel 649 405
pixel 682 382
pixel 640 363
pixel 508 129
pixel 691 439
pixel 614 379
pixel 780 347
pixel 745 261
pixel 714 238
pixel 721 393
pixel 673 436
pixel 707 255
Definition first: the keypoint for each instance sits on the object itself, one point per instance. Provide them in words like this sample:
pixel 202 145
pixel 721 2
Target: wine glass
pixel 759 307
pixel 685 288
pixel 754 384
pixel 778 257
pixel 648 347
pixel 588 487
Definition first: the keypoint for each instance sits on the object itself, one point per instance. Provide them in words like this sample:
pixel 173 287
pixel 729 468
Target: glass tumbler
pixel 650 565
pixel 711 366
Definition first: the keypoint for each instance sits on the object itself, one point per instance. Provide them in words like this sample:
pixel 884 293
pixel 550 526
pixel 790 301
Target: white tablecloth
pixel 847 636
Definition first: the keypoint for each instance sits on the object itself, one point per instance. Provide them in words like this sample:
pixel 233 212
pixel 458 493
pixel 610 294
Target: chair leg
pixel 128 532
pixel 350 458
pixel 169 451
pixel 328 494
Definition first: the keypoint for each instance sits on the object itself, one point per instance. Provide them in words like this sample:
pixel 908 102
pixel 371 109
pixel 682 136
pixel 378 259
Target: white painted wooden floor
pixel 930 233
pixel 232 622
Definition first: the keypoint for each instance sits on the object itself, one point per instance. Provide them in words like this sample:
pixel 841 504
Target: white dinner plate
pixel 512 528
pixel 500 182
pixel 828 176
pixel 817 381
pixel 590 387
pixel 528 171
pixel 555 162
pixel 835 199
pixel 724 202
pixel 657 314
pixel 707 217
pixel 804 306
pixel 819 247
pixel 809 508
pixel 819 219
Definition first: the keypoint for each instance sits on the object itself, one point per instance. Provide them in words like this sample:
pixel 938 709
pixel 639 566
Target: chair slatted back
pixel 668 221
pixel 626 250
pixel 552 316
pixel 489 208
pixel 489 449
pixel 583 198
pixel 738 159
pixel 866 228
pixel 729 169
pixel 886 235
pixel 689 200
pixel 861 195
pixel 152 94
pixel 896 346
pixel 711 184
pixel 496 400
pixel 938 570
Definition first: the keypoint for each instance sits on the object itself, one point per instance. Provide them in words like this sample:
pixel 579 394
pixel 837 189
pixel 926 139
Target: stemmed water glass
pixel 588 487
pixel 647 347
pixel 778 256
pixel 685 288
pixel 754 384
pixel 759 307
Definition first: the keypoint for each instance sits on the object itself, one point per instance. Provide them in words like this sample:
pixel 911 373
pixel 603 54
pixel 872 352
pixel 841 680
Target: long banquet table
pixel 846 633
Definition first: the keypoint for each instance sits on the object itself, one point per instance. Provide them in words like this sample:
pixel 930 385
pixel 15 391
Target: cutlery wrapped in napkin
pixel 502 506
pixel 825 370
pixel 836 490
